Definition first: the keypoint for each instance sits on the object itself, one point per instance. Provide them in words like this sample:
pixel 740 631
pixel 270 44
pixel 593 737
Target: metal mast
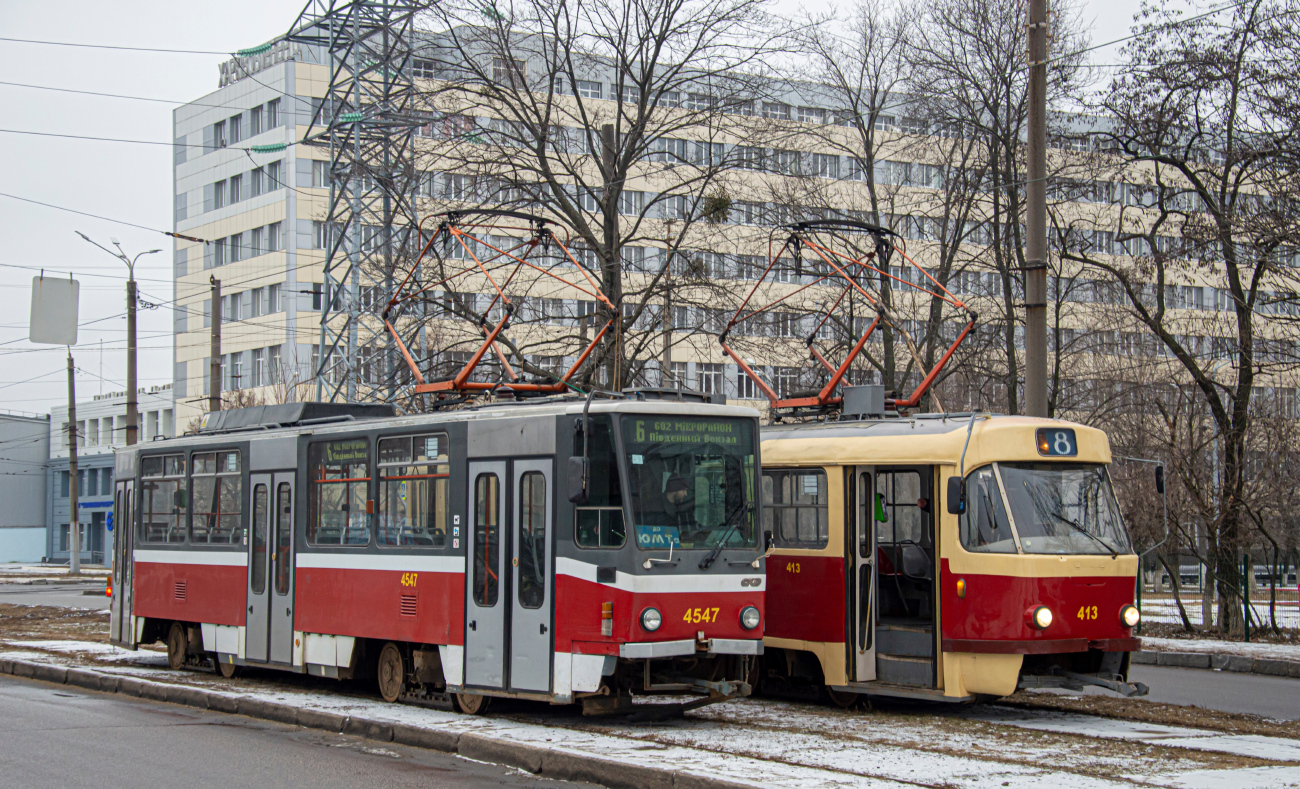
pixel 367 123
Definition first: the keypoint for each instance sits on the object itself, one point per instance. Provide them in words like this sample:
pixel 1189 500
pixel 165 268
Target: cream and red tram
pixel 944 557
pixel 560 550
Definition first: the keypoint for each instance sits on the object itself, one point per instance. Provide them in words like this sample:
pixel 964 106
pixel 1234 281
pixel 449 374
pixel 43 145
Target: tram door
pixel 280 598
pixel 530 575
pixel 256 627
pixel 862 565
pixel 485 610
pixel 905 631
pixel 123 565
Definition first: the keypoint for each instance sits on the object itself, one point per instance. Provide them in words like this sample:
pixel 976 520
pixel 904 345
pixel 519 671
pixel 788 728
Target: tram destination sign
pixel 687 431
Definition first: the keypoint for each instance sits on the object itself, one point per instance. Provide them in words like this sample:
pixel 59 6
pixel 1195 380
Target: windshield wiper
pixel 1082 530
pixel 731 523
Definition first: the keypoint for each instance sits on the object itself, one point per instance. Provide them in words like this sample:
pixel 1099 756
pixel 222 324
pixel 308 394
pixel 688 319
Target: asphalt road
pixel 62 595
pixel 1272 697
pixel 54 736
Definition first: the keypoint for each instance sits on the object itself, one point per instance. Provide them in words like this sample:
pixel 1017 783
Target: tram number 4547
pixel 698 615
pixel 408 579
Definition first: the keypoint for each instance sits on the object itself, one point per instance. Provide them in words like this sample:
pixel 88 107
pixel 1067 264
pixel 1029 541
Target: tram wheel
pixel 177 642
pixel 391 672
pixel 842 699
pixel 471 703
pixel 227 670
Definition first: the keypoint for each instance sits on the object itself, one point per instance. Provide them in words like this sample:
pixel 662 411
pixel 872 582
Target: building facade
pixel 26 442
pixel 101 428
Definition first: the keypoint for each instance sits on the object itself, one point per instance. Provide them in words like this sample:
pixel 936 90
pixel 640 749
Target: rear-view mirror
pixel 956 495
pixel 579 473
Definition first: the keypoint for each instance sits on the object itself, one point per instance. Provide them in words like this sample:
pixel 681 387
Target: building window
pixel 423 69
pixel 259 367
pixel 272 298
pixel 235 127
pixel 338 477
pixel 272 113
pixel 274 180
pixel 776 110
pixel 237 249
pixel 273 237
pixel 255 242
pixel 589 90
pixel 217 481
pixel 709 378
pixel 413 477
pixel 254 121
pixel 163 499
pixel 219 254
pixel 509 72
pixel 63 484
pixel 219 194
pixel 256 182
pixel 320 173
pixel 812 115
pixel 795 508
pixel 219 134
pixel 235 192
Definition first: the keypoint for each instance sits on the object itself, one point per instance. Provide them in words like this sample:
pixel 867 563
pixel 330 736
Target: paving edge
pixel 560 765
pixel 1241 664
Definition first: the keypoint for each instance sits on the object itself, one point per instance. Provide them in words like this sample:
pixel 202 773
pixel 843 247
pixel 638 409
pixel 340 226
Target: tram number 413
pixel 408 579
pixel 1087 612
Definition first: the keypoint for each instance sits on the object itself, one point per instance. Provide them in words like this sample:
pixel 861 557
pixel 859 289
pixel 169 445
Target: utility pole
pixel 74 517
pixel 214 363
pixel 132 403
pixel 1036 217
pixel 668 304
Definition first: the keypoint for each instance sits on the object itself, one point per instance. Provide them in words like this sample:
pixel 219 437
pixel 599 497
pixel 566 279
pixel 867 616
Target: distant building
pixel 25 439
pixel 101 427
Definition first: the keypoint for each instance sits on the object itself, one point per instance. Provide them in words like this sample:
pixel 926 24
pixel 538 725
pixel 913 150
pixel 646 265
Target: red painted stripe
pixel 805 598
pixel 368 604
pixel 215 594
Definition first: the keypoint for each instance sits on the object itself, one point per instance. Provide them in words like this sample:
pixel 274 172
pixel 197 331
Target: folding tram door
pixel 899 506
pixel 119 628
pixel 268 634
pixel 509 606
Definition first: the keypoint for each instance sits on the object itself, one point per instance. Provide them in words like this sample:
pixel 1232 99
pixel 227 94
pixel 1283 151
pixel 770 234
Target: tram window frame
pixel 986 476
pixel 437 500
pixel 170 472
pixel 227 487
pixel 774 512
pixel 258 538
pixel 532 536
pixel 318 486
pixel 605 491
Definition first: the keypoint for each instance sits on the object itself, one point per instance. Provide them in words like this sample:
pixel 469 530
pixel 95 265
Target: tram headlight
pixel 749 617
pixel 1130 616
pixel 651 619
pixel 1041 617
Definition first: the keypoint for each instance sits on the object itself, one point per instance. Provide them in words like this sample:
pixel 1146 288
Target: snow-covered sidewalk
pixel 1212 646
pixel 760 742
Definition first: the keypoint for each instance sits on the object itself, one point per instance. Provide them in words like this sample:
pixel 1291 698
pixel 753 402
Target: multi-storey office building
pixel 786 156
pixel 26 439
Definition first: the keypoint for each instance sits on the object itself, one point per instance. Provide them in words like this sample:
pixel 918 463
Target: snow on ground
pixel 789 745
pixel 1214 646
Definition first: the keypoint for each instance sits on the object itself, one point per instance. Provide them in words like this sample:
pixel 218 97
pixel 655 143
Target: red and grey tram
pixel 560 550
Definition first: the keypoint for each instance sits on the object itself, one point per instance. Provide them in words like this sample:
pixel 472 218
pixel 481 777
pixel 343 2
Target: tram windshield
pixel 1056 508
pixel 691 481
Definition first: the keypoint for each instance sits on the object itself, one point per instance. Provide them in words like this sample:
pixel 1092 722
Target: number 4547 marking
pixel 408 579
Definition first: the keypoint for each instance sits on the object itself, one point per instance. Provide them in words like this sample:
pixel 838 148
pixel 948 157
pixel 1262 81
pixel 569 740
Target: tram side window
pixel 599 524
pixel 162 499
pixel 795 508
pixel 984 525
pixel 413 476
pixel 338 482
pixel 487 539
pixel 217 482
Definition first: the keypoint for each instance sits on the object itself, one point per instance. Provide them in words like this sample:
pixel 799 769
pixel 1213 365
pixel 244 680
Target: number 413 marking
pixel 1087 612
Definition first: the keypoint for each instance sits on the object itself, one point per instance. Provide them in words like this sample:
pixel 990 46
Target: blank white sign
pixel 54 310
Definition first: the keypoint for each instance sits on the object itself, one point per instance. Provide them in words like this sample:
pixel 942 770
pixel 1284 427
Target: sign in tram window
pixel 487 539
pixel 413 478
pixel 338 478
pixel 162 499
pixel 1056 442
pixel 795 508
pixel 217 483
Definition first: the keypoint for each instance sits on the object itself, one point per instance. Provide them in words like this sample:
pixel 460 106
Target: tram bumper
pixel 1072 680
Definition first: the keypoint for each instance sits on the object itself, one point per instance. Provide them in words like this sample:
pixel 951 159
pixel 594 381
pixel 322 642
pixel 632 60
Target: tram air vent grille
pixel 180 591
pixel 408 604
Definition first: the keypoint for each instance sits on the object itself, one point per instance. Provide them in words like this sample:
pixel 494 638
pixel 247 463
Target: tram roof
pixel 551 407
pixel 924 438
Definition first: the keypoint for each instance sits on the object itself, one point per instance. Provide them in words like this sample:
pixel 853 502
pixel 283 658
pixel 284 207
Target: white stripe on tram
pixel 370 561
pixel 207 558
pixel 657 584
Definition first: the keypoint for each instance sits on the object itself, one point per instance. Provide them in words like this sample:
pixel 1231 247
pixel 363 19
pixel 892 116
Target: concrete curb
pixel 560 765
pixel 1240 664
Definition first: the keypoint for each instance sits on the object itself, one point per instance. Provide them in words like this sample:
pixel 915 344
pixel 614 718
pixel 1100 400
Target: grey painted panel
pixel 514 437
pixel 180 205
pixel 273 454
pixel 257 623
pixel 530 628
pixel 485 625
pixel 180 377
pixel 281 605
pixel 181 262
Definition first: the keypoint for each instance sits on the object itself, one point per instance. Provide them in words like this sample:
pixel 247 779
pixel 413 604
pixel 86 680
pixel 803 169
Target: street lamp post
pixel 132 405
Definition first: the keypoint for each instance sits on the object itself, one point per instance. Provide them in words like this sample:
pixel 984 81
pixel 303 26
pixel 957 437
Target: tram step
pixel 910 642
pixel 903 670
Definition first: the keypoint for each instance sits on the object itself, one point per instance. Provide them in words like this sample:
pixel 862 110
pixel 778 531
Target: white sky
pixel 132 182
